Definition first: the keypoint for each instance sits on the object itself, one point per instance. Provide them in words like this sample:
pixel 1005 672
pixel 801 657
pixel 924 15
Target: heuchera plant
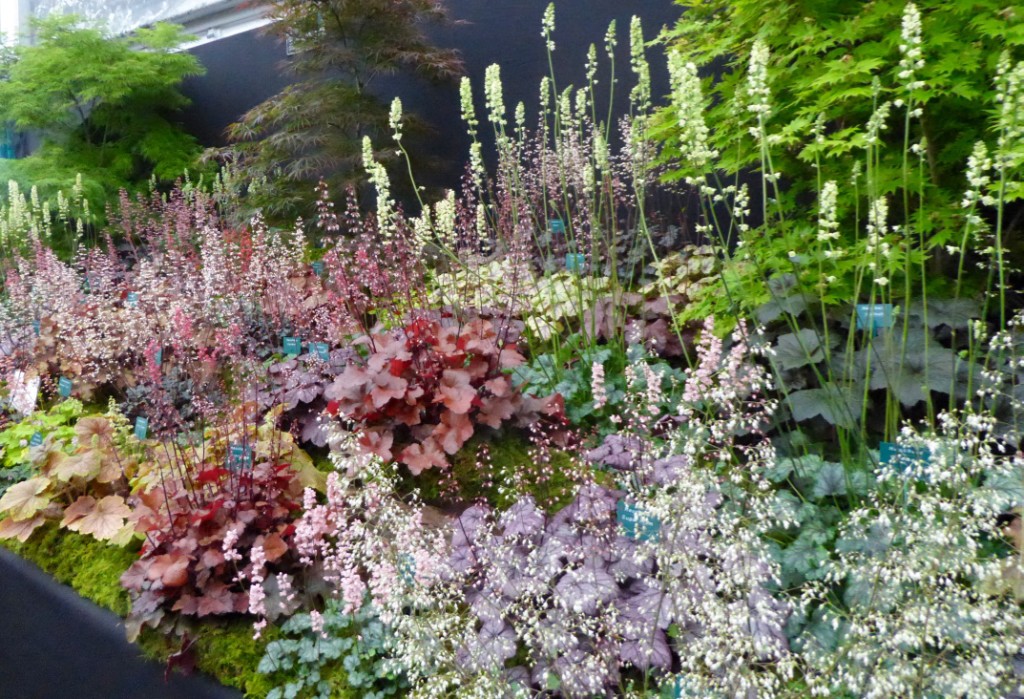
pixel 422 392
pixel 82 484
pixel 204 526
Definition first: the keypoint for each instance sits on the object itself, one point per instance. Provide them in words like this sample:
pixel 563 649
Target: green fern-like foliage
pixel 104 107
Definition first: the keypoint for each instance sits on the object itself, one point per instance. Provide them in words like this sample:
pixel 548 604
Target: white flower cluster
pixel 925 612
pixel 911 59
pixel 688 101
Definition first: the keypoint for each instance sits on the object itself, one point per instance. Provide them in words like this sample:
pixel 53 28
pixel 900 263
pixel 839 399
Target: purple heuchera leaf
pixel 581 679
pixel 489 649
pixel 523 518
pixel 594 503
pixel 585 588
pixel 618 451
pixel 668 470
pixel 647 650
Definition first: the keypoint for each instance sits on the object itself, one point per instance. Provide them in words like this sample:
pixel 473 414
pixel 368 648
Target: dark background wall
pixel 245 69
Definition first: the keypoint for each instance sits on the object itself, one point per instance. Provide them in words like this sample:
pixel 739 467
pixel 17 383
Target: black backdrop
pixel 245 69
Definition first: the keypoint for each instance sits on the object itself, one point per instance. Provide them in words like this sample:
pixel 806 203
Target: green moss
pixel 511 465
pixel 91 568
pixel 224 649
pixel 227 651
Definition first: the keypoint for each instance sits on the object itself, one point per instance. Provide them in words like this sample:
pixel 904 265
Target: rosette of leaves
pixel 568 372
pixel 423 391
pixel 190 523
pixel 82 484
pixel 562 603
pixel 350 650
pixel 299 384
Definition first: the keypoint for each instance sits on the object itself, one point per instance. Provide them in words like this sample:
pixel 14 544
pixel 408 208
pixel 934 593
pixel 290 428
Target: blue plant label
pixel 141 427
pixel 636 524
pixel 318 268
pixel 557 226
pixel 64 387
pixel 575 262
pixel 902 457
pixel 293 346
pixel 323 351
pixel 37 440
pixel 158 358
pixel 874 317
pixel 239 457
pixel 407 569
pixel 133 299
pixel 37 327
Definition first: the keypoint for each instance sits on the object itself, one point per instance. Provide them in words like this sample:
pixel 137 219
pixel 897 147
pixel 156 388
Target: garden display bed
pixel 533 439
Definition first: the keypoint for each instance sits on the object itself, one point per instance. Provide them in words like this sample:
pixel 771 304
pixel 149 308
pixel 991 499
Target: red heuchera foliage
pixel 422 391
pixel 183 567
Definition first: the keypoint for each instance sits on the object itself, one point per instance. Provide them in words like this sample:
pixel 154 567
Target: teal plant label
pixel 158 358
pixel 132 299
pixel 902 457
pixel 239 457
pixel 874 317
pixel 318 268
pixel 293 346
pixel 407 569
pixel 635 522
pixel 323 351
pixel 141 427
pixel 37 327
pixel 556 226
pixel 37 440
pixel 64 387
pixel 575 262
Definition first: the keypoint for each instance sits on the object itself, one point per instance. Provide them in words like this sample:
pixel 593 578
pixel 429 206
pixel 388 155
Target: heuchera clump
pixel 424 390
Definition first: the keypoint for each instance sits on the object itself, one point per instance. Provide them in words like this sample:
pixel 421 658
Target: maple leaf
pixel 20 529
pixel 85 465
pixel 378 441
pixel 104 520
pixel 78 509
pixel 23 500
pixel 274 547
pixel 420 457
pixel 216 599
pixel 454 431
pixel 171 569
pixel 455 391
pixel 496 409
pixel 386 388
pixel 500 386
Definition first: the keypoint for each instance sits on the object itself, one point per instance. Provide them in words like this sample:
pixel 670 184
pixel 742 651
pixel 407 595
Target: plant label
pixel 874 317
pixel 293 346
pixel 158 358
pixel 132 299
pixel 556 226
pixel 575 262
pixel 239 457
pixel 318 268
pixel 64 387
pixel 37 327
pixel 902 457
pixel 635 522
pixel 323 351
pixel 407 569
pixel 37 440
pixel 141 427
